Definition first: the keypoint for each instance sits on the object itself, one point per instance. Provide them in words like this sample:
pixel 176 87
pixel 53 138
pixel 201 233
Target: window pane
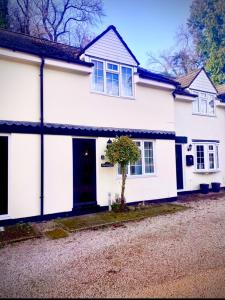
pixel 127 84
pixel 112 84
pixel 200 157
pixel 211 161
pixel 203 106
pixel 148 154
pixel 195 105
pixel 98 76
pixel 119 169
pixel 112 67
pixel 136 168
pixel 217 157
pixel 211 105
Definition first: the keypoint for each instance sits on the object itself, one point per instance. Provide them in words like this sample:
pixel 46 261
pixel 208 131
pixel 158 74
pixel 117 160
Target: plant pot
pixel 215 187
pixel 204 188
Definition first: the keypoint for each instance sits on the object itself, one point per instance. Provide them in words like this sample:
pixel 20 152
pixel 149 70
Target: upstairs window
pixel 204 104
pixel 207 158
pixel 112 79
pixel 98 76
pixel 127 88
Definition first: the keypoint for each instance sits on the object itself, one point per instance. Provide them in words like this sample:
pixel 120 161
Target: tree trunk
pixel 124 177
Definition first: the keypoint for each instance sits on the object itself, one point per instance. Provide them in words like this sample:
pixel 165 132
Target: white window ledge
pixel 203 115
pixel 138 176
pixel 114 96
pixel 206 171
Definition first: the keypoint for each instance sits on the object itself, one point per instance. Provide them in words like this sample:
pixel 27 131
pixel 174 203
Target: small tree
pixel 123 151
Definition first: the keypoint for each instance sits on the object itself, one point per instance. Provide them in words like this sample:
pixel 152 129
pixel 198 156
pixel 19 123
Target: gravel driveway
pixel 179 255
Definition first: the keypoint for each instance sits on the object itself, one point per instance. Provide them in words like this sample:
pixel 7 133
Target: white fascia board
pixel 153 83
pixel 20 56
pixel 68 66
pixel 15 55
pixel 184 98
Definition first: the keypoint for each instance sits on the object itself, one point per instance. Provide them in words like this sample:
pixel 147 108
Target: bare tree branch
pixel 54 19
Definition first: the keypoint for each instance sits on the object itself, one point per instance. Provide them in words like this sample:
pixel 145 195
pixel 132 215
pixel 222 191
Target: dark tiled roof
pixel 40 47
pixel 221 89
pixel 146 74
pixel 66 129
pixel 186 80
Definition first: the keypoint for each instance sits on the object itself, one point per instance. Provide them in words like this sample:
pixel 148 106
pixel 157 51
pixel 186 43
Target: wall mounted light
pixel 109 142
pixel 189 147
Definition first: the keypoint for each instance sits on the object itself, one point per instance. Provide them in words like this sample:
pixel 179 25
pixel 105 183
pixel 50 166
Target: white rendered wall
pixel 139 188
pixel 20 91
pixel 24 175
pixel 69 100
pixel 203 128
pixel 58 187
pixel 59 175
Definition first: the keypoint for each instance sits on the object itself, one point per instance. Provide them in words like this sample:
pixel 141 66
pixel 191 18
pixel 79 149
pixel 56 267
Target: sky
pixel 145 25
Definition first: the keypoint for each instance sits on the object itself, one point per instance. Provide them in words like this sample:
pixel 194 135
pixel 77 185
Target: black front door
pixel 179 167
pixel 3 175
pixel 84 172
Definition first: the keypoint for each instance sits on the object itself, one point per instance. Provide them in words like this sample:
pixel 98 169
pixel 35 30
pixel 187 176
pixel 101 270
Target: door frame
pixel 76 204
pixel 7 216
pixel 183 165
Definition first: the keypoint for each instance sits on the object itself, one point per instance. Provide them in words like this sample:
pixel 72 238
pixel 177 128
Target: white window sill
pixel 206 171
pixel 137 176
pixel 203 115
pixel 119 97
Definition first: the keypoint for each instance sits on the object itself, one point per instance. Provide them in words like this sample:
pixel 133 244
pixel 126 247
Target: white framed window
pixel 98 76
pixel 206 157
pixel 112 79
pixel 146 164
pixel 127 82
pixel 204 104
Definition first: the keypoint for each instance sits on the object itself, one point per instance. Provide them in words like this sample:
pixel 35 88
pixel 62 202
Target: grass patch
pixel 57 233
pixel 17 232
pixel 104 218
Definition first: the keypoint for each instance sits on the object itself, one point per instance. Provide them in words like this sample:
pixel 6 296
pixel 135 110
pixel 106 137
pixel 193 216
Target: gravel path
pixel 179 255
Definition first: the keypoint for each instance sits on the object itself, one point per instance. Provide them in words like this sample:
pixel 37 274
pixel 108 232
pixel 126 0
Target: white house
pixel 200 120
pixel 60 106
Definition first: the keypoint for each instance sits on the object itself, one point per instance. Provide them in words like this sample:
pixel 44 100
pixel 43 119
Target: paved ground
pixel 179 255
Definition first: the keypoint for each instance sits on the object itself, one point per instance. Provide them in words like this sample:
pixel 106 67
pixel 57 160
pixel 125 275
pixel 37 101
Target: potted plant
pixel 204 188
pixel 215 187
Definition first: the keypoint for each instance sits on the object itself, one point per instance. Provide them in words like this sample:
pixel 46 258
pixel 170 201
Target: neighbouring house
pixel 200 120
pixel 60 106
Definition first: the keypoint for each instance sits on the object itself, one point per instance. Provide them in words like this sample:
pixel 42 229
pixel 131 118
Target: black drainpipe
pixel 42 132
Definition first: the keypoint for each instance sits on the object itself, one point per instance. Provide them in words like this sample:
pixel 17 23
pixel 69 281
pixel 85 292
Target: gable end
pixel 202 82
pixel 109 45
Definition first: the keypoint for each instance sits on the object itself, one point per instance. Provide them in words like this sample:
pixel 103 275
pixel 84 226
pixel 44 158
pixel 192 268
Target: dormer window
pixel 112 79
pixel 204 104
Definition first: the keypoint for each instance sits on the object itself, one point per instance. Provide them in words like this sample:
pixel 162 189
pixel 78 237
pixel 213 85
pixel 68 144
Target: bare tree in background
pixel 4 14
pixel 56 20
pixel 179 59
